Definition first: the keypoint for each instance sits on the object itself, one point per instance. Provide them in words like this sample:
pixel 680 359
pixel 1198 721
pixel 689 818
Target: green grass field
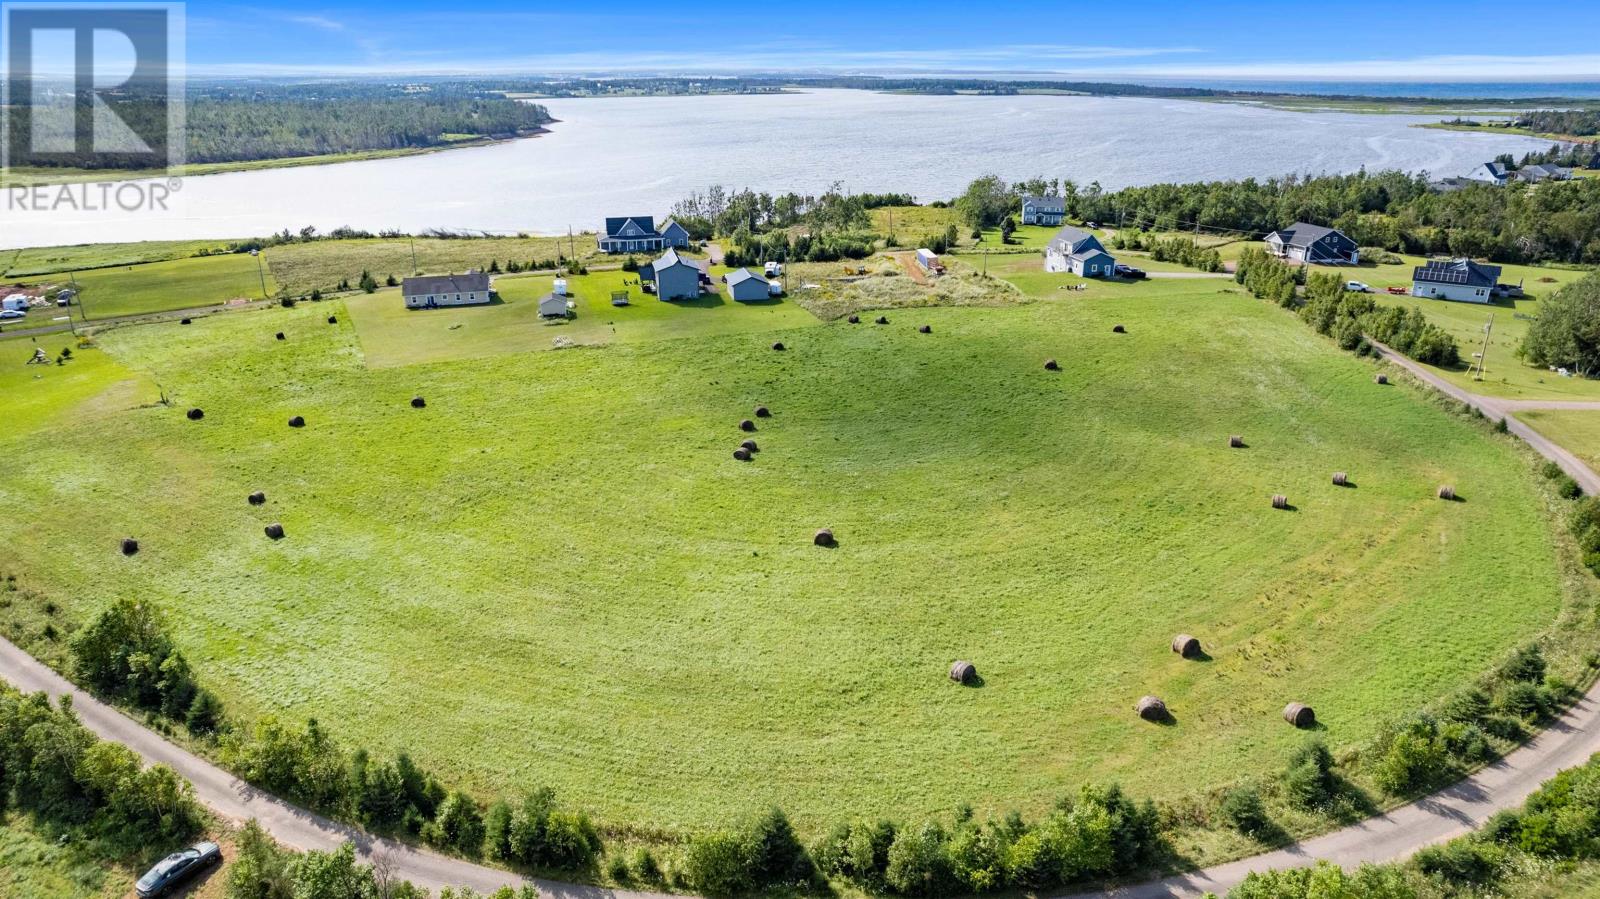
pixel 1577 430
pixel 159 286
pixel 393 335
pixel 556 574
pixel 49 260
pixel 300 267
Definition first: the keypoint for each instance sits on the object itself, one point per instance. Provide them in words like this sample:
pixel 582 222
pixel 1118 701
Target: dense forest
pixel 246 121
pixel 1579 122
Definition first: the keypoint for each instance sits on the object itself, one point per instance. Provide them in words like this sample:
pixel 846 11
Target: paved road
pixel 293 826
pixel 1570 741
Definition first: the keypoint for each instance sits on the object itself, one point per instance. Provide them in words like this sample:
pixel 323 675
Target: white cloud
pixel 1423 68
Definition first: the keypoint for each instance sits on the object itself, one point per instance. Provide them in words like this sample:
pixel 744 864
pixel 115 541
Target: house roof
pixel 1464 272
pixel 430 284
pixel 743 275
pixel 671 258
pixel 1050 204
pixel 615 224
pixel 672 223
pixel 1304 234
pixel 551 298
pixel 1497 169
pixel 1070 241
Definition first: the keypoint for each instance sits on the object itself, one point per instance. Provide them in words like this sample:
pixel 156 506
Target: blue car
pixel 176 869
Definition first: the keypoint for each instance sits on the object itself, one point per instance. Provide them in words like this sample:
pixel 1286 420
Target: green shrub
pixel 858 850
pixel 617 868
pixel 1526 664
pixel 1551 470
pixel 1243 810
pixel 919 863
pixel 642 865
pixel 1460 862
pixel 1412 757
pixel 457 825
pixel 1568 488
pixel 978 855
pixel 716 863
pixel 1310 781
pixel 776 854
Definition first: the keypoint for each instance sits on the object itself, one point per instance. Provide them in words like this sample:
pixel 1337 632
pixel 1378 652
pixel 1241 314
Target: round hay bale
pixel 778 346
pixel 925 329
pixel 129 546
pixel 195 414
pixel 274 530
pixel 281 337
pixel 962 671
pixel 1279 501
pixel 1118 329
pixel 763 412
pixel 883 320
pixel 1235 441
pixel 1447 492
pixel 333 319
pixel 1051 365
pixel 1299 714
pixel 1151 709
pixel 854 319
pixel 742 454
pixel 751 446
pixel 1381 378
pixel 747 425
pixel 297 422
pixel 1186 646
pixel 186 322
pixel 1340 479
pixel 824 537
pixel 257 498
pixel 418 402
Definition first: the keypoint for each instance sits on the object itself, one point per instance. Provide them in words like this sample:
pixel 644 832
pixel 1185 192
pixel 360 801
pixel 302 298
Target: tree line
pixel 243 125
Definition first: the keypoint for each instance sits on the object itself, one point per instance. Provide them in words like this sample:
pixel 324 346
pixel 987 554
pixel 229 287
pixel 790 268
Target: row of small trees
pixel 1347 317
pixel 53 767
pixel 1182 250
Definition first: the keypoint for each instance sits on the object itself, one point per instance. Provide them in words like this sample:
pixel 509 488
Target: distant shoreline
pixel 21 177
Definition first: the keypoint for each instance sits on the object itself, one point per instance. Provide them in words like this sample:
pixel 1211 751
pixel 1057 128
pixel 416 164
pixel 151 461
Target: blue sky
pixel 1327 40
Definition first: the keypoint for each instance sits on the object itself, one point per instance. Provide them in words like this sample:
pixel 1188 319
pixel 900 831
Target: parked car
pixel 13 313
pixel 1357 287
pixel 177 869
pixel 1128 271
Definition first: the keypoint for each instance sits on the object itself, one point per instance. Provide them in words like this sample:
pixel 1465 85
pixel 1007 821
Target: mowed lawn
pixel 176 284
pixel 1576 430
pixel 391 334
pixel 556 573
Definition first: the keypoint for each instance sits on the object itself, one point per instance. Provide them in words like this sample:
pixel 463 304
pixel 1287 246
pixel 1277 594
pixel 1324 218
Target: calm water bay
pixel 631 156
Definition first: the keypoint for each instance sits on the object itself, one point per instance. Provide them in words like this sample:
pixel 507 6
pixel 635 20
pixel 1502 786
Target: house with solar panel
pixel 639 234
pixel 1461 280
pixel 1043 210
pixel 1077 251
pixel 1313 244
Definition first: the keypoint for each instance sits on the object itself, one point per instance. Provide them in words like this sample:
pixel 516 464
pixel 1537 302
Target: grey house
pixel 630 234
pixel 675 278
pixel 747 286
pixel 1540 171
pixel 1077 251
pixel 1458 279
pixel 1302 242
pixel 1043 210
pixel 431 291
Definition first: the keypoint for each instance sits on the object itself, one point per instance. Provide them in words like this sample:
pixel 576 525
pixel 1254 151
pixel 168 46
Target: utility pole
pixel 1483 357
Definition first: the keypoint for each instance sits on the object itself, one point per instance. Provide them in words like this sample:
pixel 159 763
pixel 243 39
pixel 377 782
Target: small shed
pixel 746 286
pixel 554 305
